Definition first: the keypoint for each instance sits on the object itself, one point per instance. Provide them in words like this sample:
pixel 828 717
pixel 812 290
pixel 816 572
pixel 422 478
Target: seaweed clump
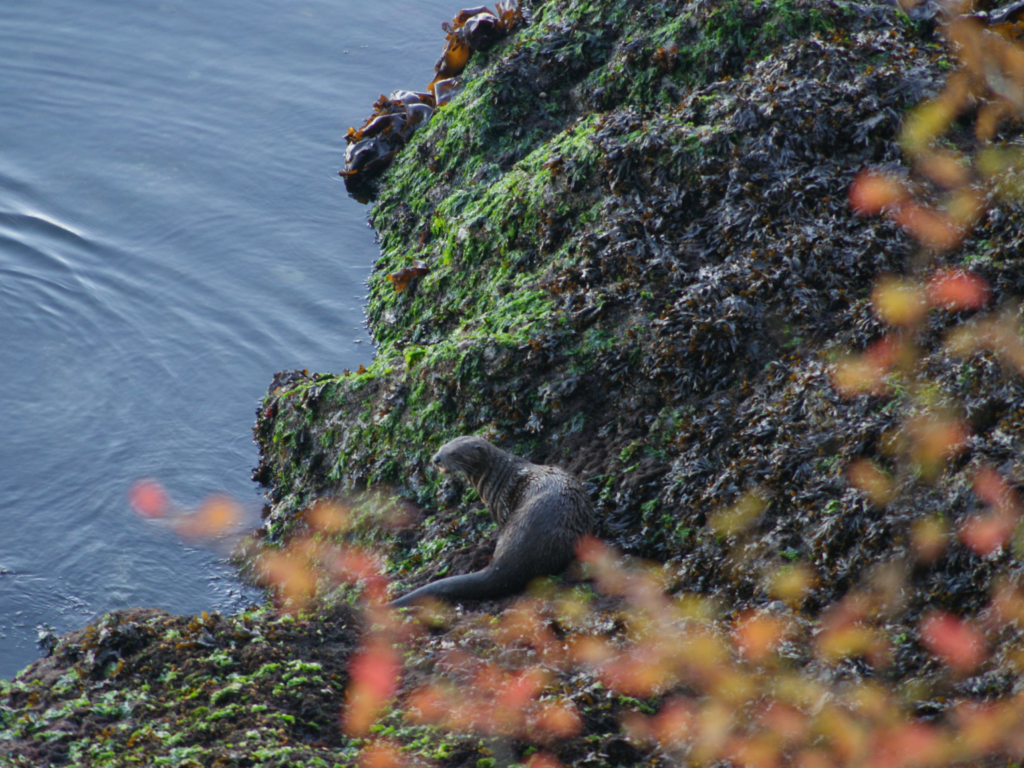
pixel 396 117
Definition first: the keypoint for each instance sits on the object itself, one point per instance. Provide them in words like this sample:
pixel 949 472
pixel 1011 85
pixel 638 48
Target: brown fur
pixel 541 513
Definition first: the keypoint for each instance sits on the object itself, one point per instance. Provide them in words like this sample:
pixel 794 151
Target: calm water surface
pixel 172 232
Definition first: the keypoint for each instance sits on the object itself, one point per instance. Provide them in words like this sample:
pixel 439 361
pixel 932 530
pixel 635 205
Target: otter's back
pixel 551 513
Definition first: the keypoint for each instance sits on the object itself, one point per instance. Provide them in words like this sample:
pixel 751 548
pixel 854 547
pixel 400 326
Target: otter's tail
pixel 481 585
pixel 510 572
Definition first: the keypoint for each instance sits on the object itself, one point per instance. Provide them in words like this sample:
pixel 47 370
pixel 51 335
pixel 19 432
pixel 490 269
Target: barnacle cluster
pixel 397 117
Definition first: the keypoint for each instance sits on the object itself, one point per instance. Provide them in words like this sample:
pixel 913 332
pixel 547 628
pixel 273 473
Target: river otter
pixel 541 513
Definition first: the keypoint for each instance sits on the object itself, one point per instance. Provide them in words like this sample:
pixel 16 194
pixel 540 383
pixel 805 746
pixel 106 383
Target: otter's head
pixel 469 455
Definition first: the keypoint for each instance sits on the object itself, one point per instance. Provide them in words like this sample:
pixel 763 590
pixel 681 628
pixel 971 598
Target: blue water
pixel 172 232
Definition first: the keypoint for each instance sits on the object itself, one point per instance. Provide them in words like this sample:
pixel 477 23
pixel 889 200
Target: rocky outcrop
pixel 638 261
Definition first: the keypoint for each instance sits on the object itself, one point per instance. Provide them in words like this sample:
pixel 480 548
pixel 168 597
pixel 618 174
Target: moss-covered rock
pixel 142 687
pixel 641 264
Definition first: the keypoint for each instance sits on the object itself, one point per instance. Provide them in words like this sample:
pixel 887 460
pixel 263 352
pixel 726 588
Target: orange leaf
pixel 215 516
pixel 786 722
pixel 373 680
pixel 909 744
pixel 840 642
pixel 956 290
pixel 590 549
pixel 989 117
pixel 381 754
pixel 642 672
pixel 591 650
pixel 543 760
pixel 814 758
pixel 355 565
pixel 887 351
pixel 959 644
pixel 868 477
pixel 637 727
pixel 559 719
pixel 857 375
pixel 935 439
pixel 929 227
pixel 984 534
pixel 522 688
pixel 871 192
pixel 292 580
pixel 1007 606
pixel 757 636
pixel 329 516
pixel 759 751
pixel 947 169
pixel 996 492
pixel 427 704
pixel 982 726
pixel 674 724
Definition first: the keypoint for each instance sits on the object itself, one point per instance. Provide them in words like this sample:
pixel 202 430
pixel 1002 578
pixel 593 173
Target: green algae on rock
pixel 144 687
pixel 641 266
pixel 634 259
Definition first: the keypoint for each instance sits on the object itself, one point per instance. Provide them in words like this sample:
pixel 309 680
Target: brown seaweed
pixel 403 277
pixel 473 29
pixel 371 148
pixel 395 118
pixel 446 90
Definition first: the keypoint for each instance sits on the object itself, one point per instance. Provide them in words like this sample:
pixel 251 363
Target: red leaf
pixel 956 290
pixel 984 534
pixel 955 641
pixel 373 680
pixel 147 498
